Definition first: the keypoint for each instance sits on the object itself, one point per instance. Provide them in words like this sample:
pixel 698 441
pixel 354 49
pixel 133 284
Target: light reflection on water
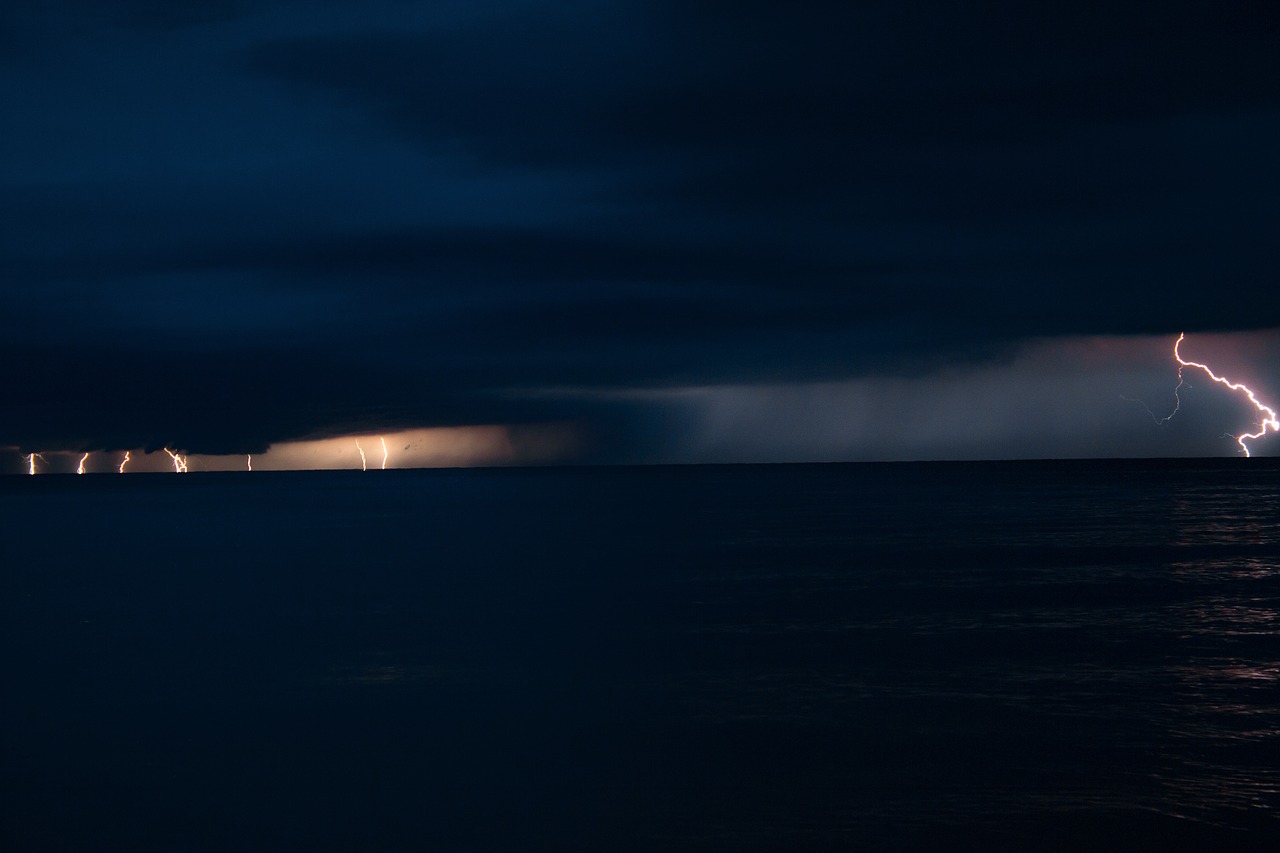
pixel 1123 634
pixel 790 657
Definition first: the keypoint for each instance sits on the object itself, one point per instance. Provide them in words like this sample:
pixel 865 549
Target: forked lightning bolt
pixel 31 462
pixel 124 462
pixel 364 463
pixel 1268 422
pixel 179 461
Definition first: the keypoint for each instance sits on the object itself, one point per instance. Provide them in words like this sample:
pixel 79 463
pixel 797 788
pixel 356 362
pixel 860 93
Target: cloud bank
pixel 260 222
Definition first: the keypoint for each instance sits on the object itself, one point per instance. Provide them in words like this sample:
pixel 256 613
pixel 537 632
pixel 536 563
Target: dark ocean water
pixel 1068 655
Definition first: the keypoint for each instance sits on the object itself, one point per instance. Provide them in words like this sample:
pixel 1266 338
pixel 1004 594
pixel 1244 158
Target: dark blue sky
pixel 250 222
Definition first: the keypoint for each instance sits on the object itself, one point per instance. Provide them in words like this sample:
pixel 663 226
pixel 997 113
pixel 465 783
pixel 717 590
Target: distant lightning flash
pixel 384 452
pixel 250 460
pixel 179 461
pixel 124 462
pixel 83 459
pixel 1177 402
pixel 364 463
pixel 31 462
pixel 1269 420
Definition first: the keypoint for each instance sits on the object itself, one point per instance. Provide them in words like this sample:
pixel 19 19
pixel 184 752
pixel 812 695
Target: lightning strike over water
pixel 249 459
pixel 384 452
pixel 124 462
pixel 83 459
pixel 1269 420
pixel 179 461
pixel 364 463
pixel 31 462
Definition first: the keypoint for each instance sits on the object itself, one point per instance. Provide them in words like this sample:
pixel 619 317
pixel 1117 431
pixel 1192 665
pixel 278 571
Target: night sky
pixel 646 231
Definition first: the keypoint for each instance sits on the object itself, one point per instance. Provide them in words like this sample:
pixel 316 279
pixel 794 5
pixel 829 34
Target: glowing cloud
pixel 431 447
pixel 1268 421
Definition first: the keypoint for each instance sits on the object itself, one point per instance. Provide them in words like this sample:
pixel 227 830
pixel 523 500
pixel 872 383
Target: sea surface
pixel 1017 655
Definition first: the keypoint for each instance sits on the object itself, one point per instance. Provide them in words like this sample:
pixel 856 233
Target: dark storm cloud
pixel 273 220
pixel 740 78
pixel 54 17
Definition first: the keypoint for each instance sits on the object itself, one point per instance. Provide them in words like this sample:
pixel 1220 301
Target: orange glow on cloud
pixel 438 447
pixel 435 447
